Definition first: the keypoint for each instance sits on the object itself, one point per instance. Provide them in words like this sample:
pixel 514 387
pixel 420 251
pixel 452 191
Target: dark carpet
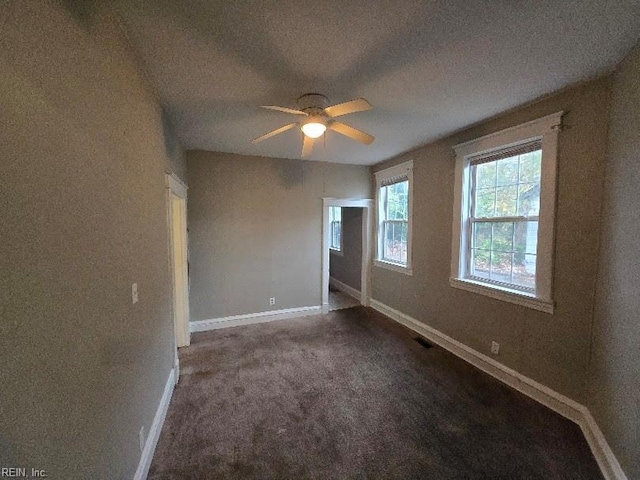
pixel 351 394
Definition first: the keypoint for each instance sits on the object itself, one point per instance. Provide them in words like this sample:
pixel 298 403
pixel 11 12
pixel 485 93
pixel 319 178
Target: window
pixel 504 214
pixel 394 193
pixel 335 223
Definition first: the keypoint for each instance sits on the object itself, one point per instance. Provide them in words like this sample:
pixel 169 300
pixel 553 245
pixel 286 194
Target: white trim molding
pixel 557 402
pixel 545 130
pixel 156 427
pixel 252 318
pixel 343 287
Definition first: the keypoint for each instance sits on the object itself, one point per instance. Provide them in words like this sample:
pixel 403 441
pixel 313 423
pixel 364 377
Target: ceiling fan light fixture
pixel 314 129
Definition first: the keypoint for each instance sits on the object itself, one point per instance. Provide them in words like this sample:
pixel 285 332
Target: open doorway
pixel 177 213
pixel 345 257
pixel 346 252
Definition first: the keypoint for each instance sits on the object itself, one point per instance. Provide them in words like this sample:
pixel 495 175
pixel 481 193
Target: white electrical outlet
pixel 272 301
pixel 495 348
pixel 134 293
pixel 141 438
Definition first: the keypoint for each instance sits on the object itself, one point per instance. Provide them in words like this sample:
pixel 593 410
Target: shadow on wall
pixel 82 11
pixel 171 143
pixel 290 172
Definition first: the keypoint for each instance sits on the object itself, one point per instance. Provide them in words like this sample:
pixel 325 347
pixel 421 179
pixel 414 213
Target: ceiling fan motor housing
pixel 313 103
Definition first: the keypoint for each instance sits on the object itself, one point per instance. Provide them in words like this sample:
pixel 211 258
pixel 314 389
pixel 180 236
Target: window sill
pixel 340 253
pixel 503 294
pixel 393 267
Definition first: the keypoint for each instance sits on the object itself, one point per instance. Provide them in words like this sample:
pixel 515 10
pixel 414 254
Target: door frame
pixel 178 257
pixel 367 246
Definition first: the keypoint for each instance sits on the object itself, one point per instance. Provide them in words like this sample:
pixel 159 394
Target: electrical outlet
pixel 134 293
pixel 272 301
pixel 495 348
pixel 141 438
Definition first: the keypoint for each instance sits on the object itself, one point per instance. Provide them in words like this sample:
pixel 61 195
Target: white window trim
pixel 545 129
pixel 403 169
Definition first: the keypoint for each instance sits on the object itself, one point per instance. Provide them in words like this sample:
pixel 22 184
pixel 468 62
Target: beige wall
pixel 347 266
pixel 615 362
pixel 83 217
pixel 255 227
pixel 552 349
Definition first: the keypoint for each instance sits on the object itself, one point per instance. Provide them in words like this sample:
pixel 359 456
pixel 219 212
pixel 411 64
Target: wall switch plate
pixel 141 438
pixel 134 293
pixel 495 348
pixel 272 301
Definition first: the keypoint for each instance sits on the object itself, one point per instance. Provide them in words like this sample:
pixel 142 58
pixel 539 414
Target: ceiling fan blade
pixel 307 146
pixel 358 105
pixel 284 109
pixel 351 132
pixel 275 132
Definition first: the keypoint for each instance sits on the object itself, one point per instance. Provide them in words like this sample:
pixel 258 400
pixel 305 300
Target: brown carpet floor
pixel 352 395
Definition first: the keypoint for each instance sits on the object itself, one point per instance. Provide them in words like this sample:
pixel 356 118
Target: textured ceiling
pixel 427 67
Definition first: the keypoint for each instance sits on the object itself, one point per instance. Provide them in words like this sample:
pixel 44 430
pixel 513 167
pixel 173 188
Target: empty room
pixel 294 240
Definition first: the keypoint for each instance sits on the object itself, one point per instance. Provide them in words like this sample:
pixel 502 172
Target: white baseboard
pixel 605 457
pixel 156 427
pixel 343 287
pixel 251 318
pixel 557 402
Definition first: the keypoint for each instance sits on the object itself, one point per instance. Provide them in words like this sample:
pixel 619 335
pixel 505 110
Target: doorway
pixel 330 239
pixel 177 213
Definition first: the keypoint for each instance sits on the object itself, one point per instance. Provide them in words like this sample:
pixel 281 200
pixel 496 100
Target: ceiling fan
pixel 318 118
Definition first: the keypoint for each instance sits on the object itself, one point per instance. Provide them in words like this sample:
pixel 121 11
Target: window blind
pixel 506 153
pixel 395 179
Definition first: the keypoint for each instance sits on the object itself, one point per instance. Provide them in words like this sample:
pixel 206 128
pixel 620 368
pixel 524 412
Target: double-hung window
pixel 394 190
pixel 335 224
pixel 504 214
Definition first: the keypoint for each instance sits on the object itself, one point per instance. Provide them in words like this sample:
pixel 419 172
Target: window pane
pixel 506 201
pixel 529 199
pixel 481 235
pixel 397 198
pixel 486 175
pixel 530 165
pixel 336 231
pixel 480 265
pixel 526 237
pixel 507 171
pixel 485 203
pixel 502 240
pixel 501 267
pixel 401 241
pixel 395 241
pixel 524 258
pixel 335 217
pixel 525 276
pixel 389 245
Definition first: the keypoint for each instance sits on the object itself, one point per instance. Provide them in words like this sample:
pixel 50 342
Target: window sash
pixel 384 188
pixel 472 220
pixel 471 251
pixel 336 234
pixel 394 223
pixel 394 214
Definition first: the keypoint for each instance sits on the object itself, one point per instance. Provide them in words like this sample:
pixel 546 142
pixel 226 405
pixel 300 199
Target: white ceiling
pixel 427 67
